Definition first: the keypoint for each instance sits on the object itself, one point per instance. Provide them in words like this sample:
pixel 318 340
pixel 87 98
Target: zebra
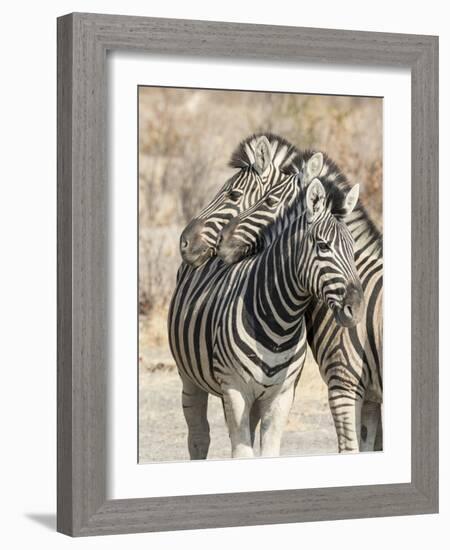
pixel 261 161
pixel 349 358
pixel 244 326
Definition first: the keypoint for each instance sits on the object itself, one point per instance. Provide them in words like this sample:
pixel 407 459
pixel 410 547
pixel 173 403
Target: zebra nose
pixel 354 303
pixel 348 312
pixel 193 247
pixel 351 311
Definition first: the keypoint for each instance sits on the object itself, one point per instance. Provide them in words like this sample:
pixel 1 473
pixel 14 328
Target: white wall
pixel 28 266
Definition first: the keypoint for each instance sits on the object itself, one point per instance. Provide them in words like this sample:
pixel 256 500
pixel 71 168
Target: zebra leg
pixel 195 406
pixel 346 411
pixel 274 415
pixel 254 419
pixel 255 416
pixel 370 416
pixel 378 446
pixel 237 414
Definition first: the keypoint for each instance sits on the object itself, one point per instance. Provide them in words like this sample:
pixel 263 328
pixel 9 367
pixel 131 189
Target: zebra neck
pixel 274 289
pixel 368 239
pixel 285 222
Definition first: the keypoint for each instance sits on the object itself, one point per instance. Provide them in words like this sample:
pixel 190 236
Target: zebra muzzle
pixel 351 311
pixel 193 248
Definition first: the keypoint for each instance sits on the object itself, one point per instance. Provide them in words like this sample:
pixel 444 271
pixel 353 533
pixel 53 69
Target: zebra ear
pixel 315 199
pixel 351 199
pixel 263 155
pixel 313 167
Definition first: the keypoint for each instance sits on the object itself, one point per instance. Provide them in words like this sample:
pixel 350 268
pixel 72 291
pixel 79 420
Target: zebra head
pixel 261 161
pixel 328 271
pixel 247 233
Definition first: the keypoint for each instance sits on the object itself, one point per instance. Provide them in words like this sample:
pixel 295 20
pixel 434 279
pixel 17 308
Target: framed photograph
pixel 247 274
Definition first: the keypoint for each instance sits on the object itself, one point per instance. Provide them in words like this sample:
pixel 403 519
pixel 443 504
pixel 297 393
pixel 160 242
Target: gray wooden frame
pixel 83 41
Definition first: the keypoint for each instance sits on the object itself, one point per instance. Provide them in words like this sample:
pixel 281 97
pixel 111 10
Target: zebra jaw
pixel 196 261
pixel 230 251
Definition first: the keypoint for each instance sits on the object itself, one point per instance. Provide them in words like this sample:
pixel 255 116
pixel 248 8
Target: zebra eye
pixel 234 195
pixel 271 201
pixel 322 246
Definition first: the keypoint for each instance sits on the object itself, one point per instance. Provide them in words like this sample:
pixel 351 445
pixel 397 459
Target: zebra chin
pixel 231 254
pixel 197 259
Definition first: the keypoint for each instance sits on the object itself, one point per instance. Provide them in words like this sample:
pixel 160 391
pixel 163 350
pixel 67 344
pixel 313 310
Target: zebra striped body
pixel 262 161
pixel 350 359
pixel 240 333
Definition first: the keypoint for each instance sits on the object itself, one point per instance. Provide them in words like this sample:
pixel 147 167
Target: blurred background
pixel 186 137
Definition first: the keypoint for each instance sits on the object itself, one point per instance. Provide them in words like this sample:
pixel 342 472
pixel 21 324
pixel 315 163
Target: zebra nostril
pixel 348 312
pixel 184 243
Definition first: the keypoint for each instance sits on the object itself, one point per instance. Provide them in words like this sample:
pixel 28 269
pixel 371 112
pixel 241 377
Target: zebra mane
pixel 283 152
pixel 336 187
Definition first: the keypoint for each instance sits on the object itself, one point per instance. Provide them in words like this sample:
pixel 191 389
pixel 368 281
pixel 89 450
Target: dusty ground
pixel 162 429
